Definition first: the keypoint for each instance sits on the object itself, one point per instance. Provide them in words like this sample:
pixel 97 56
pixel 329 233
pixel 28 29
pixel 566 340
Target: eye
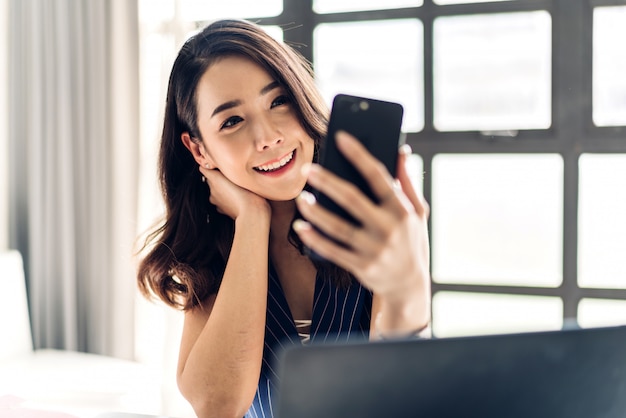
pixel 280 100
pixel 230 122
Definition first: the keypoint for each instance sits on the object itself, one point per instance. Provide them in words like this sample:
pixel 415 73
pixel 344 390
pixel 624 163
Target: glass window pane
pixel 366 59
pixel 609 66
pixel 196 10
pixel 601 313
pixel 275 32
pixel 602 221
pixel 492 72
pixel 337 6
pixel 460 314
pixel 498 219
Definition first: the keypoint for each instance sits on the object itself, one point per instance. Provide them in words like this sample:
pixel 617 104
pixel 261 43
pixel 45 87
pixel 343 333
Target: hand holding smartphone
pixel 377 125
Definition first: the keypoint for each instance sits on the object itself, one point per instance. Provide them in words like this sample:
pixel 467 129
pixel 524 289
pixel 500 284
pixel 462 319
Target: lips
pixel 276 164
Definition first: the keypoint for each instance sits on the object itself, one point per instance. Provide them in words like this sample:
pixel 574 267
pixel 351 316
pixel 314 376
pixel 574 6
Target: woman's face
pixel 250 129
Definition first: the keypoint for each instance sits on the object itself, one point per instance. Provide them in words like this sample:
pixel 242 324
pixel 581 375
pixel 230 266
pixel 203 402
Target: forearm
pixel 222 370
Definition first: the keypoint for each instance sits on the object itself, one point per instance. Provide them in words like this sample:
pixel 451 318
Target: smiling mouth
pixel 276 165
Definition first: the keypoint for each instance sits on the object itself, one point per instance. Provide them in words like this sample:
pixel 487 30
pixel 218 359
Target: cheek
pixel 225 155
pixel 232 161
pixel 309 148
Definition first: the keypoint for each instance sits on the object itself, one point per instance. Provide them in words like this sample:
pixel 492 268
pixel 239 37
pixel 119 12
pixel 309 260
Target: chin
pixel 284 196
pixel 288 191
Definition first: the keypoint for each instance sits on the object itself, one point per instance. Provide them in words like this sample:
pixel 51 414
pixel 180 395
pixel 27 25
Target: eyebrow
pixel 233 103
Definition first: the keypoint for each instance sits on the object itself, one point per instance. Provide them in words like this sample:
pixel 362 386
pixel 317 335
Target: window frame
pixel 572 133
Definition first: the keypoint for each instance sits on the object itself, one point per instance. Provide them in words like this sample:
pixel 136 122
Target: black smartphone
pixel 377 125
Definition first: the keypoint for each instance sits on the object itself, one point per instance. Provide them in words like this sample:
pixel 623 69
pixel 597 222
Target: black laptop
pixel 577 373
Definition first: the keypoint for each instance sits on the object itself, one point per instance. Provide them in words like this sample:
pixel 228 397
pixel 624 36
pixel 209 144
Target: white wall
pixel 4 131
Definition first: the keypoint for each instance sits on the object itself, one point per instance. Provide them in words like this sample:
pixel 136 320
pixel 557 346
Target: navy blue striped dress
pixel 338 315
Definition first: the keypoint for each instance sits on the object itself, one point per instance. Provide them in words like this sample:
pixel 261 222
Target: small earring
pixel 207 165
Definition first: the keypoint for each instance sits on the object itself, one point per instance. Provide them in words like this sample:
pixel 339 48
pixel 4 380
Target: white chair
pixel 80 384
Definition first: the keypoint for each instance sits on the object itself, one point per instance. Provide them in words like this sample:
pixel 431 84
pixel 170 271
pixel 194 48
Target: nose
pixel 266 134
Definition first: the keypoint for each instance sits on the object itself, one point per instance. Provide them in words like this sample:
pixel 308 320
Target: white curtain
pixel 73 146
pixel 4 110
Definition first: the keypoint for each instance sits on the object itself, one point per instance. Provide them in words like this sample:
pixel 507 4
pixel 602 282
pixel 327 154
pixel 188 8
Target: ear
pixel 197 151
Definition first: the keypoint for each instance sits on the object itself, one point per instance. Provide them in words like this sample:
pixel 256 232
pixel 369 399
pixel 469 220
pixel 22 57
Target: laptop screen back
pixel 560 374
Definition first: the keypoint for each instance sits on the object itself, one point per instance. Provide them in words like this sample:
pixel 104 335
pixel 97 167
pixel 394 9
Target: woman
pixel 243 123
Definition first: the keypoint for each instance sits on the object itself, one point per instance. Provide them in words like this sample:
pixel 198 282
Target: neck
pixel 282 216
pixel 290 264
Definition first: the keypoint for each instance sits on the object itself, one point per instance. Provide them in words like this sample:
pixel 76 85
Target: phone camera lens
pixel 361 105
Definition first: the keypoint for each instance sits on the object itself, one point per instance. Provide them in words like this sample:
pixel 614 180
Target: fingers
pixel 333 226
pixel 345 194
pixel 416 199
pixel 345 258
pixel 349 196
pixel 377 220
pixel 373 171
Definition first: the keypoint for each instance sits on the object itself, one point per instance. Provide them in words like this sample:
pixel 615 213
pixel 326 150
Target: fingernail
pixel 405 149
pixel 307 197
pixel 342 138
pixel 300 225
pixel 310 170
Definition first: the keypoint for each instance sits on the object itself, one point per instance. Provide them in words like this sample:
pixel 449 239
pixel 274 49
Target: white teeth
pixel 274 166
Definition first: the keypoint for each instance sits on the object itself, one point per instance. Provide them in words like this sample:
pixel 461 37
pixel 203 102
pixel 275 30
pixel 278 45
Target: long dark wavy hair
pixel 185 257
